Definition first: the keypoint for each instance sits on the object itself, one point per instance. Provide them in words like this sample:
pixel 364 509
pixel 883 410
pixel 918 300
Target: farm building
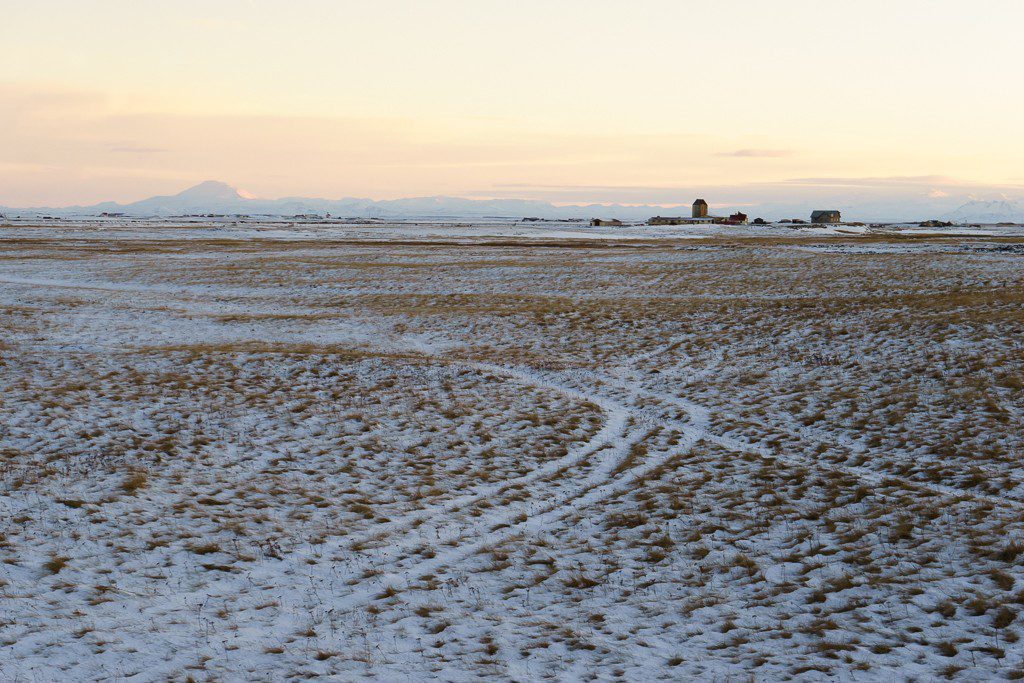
pixel 698 215
pixel 683 220
pixel 827 216
pixel 600 222
pixel 667 220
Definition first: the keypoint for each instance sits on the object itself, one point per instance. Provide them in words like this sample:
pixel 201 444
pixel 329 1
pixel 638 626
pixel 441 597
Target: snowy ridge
pixel 988 212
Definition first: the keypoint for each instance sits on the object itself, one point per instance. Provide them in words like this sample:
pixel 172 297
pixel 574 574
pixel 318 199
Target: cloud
pixel 758 153
pixel 134 149
pixel 39 100
pixel 933 187
pixel 889 181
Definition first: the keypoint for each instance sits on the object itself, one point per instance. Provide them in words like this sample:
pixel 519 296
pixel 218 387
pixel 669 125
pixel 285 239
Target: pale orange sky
pixel 121 100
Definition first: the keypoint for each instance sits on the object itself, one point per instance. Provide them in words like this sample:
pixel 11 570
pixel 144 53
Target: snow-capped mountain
pixel 206 197
pixel 991 211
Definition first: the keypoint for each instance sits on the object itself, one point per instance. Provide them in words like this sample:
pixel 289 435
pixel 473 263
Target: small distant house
pixel 827 216
pixel 603 222
pixel 700 208
pixel 737 218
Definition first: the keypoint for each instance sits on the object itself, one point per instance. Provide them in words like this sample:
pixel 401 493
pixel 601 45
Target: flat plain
pixel 284 457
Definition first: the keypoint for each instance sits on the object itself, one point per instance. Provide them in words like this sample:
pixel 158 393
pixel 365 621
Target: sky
pixel 645 101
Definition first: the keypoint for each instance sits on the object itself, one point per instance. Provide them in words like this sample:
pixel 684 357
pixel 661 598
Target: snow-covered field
pixel 248 228
pixel 281 452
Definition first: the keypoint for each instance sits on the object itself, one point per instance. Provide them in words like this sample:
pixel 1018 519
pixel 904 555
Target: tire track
pixel 602 482
pixel 703 415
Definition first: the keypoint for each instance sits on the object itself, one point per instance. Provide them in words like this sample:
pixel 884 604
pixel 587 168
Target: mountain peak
pixel 988 211
pixel 213 190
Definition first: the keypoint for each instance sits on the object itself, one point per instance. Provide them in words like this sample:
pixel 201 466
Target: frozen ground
pixel 285 452
pixel 248 228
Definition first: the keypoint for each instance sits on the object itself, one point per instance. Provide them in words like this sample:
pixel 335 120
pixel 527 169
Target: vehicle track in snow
pixel 703 414
pixel 598 465
pixel 611 441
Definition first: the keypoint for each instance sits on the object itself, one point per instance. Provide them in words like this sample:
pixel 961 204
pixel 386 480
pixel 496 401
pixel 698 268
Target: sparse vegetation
pixel 727 458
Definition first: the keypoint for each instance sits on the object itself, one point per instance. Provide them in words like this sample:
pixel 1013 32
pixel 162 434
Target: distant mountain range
pixel 213 197
pixel 994 211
